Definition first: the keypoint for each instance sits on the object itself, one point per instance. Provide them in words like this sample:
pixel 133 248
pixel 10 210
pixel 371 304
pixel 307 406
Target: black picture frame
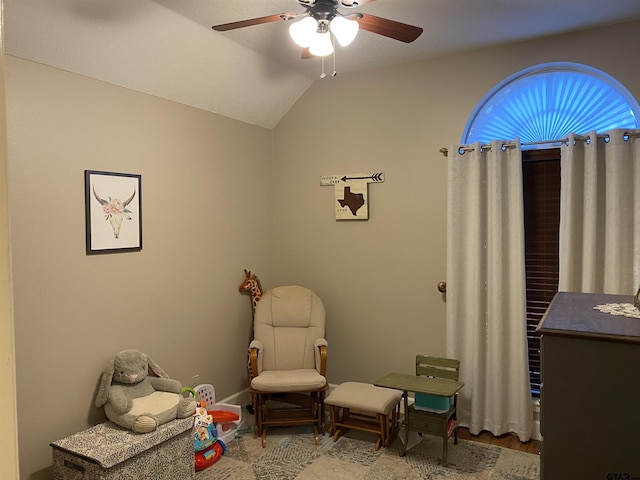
pixel 113 212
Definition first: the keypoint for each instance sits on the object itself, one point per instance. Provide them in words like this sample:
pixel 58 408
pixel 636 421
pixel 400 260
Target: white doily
pixel 620 309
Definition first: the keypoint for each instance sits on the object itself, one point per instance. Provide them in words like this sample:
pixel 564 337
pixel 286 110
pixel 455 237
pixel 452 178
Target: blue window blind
pixel 547 102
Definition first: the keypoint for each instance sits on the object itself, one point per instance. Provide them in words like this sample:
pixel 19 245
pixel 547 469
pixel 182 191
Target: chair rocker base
pixel 289 409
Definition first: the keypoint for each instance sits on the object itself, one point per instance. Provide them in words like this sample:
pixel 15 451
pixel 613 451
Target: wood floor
pixel 507 441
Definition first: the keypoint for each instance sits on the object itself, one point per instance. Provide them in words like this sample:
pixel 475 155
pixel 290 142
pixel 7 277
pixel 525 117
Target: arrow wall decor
pixel 369 177
pixel 351 193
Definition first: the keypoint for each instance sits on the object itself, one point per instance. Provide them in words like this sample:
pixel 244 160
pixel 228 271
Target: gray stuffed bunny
pixel 136 400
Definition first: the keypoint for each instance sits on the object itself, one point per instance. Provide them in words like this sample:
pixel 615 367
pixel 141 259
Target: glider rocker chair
pixel 288 360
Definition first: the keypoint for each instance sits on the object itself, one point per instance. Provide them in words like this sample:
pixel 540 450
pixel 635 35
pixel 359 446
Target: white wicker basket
pixel 206 394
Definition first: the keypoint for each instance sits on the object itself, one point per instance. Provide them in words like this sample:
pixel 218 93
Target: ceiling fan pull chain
pixel 334 58
pixel 322 75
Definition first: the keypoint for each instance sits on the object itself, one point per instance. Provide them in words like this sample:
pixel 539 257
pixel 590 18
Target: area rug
pixel 291 453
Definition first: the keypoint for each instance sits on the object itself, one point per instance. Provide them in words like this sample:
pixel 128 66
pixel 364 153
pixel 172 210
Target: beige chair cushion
pixel 289 321
pixel 364 397
pixel 301 380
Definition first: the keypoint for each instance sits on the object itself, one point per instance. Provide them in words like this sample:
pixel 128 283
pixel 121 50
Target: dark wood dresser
pixel 590 396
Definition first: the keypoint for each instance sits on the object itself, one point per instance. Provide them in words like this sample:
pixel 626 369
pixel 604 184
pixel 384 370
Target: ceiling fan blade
pixel 389 28
pixel 306 54
pixel 254 21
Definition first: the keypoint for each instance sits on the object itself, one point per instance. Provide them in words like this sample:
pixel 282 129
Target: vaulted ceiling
pixel 167 47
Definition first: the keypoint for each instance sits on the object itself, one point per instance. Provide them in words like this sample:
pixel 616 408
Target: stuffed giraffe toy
pixel 252 286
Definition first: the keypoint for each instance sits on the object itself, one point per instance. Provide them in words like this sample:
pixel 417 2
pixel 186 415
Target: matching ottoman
pixel 107 451
pixel 365 407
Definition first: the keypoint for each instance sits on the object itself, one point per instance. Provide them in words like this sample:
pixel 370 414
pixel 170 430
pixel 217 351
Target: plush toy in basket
pixel 134 399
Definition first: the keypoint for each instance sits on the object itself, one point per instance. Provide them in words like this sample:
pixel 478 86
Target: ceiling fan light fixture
pixel 344 30
pixel 304 31
pixel 321 45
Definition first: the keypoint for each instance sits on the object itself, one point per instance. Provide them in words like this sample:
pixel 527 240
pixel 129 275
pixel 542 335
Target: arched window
pixel 540 105
pixel 548 101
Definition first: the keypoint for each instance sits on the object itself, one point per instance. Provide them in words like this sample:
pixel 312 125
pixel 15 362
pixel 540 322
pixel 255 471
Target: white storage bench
pixel 107 451
pixel 365 407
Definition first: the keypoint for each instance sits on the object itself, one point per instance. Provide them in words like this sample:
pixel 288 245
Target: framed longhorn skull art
pixel 113 209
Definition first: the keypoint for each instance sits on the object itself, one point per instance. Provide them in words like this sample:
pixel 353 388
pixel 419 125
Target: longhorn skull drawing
pixel 115 210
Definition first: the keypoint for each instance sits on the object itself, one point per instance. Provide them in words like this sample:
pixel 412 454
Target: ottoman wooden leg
pixel 382 421
pixel 332 416
pixel 337 420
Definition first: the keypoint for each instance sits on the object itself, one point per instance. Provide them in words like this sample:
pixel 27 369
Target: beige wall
pixel 378 277
pixel 206 190
pixel 8 427
pixel 220 196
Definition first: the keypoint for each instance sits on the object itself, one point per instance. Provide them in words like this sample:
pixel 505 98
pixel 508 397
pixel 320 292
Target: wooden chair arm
pixel 253 362
pixel 323 360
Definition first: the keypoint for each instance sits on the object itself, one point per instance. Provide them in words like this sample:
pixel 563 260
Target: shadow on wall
pixel 95 415
pixel 45 474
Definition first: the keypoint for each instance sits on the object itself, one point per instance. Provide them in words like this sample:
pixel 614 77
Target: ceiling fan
pixel 322 18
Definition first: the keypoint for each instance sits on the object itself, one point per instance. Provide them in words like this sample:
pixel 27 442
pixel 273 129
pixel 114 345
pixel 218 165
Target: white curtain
pixel 600 213
pixel 486 299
